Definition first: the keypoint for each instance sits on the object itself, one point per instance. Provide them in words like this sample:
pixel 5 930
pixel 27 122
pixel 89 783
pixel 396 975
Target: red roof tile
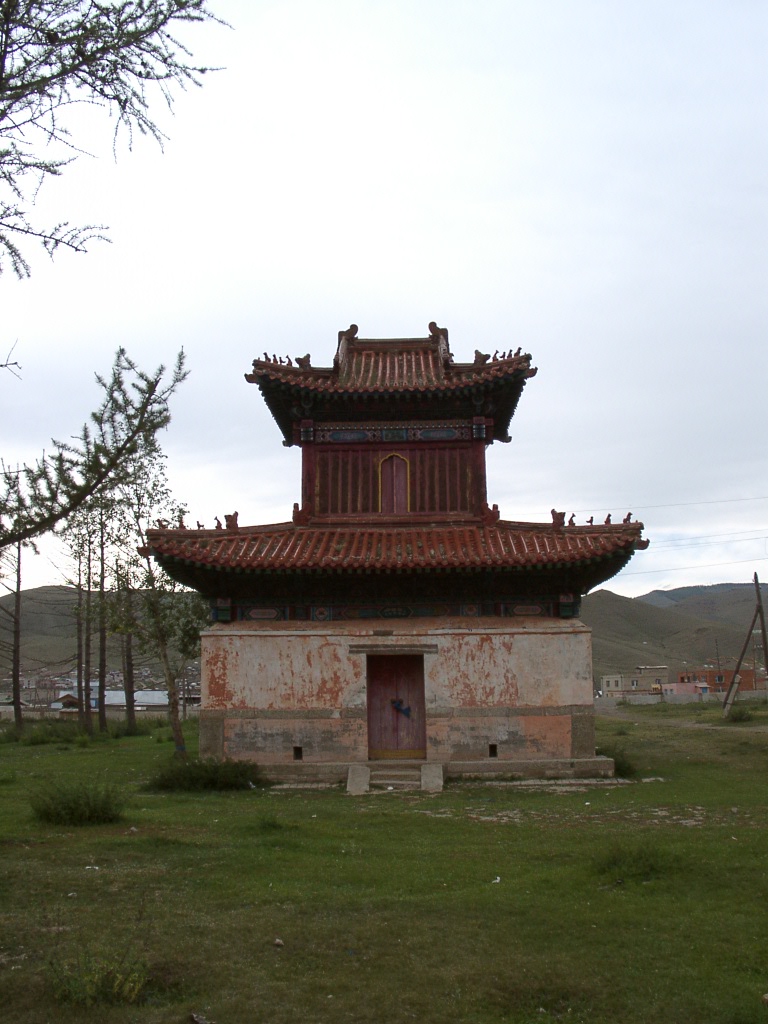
pixel 392 365
pixel 408 369
pixel 391 546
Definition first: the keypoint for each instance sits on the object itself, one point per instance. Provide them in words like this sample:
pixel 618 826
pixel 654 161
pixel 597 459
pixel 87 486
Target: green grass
pixel 645 902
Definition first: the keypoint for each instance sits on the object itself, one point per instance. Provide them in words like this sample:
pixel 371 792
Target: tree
pixel 55 53
pixel 82 539
pixel 12 620
pixel 134 407
pixel 158 613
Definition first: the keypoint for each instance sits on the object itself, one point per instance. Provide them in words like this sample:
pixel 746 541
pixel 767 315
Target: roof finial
pixel 437 332
pixel 349 334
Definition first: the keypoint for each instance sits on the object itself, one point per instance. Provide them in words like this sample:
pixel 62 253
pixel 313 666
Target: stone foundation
pixel 508 697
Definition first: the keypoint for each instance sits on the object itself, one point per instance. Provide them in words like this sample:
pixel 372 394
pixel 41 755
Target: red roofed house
pixel 397 616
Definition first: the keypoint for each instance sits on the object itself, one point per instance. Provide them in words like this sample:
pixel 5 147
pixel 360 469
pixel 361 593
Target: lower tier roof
pixel 390 546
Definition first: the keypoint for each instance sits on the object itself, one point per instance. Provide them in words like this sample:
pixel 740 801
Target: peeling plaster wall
pixel 523 686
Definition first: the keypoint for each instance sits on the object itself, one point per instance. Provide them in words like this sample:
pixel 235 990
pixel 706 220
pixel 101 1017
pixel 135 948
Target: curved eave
pixel 289 400
pixel 215 573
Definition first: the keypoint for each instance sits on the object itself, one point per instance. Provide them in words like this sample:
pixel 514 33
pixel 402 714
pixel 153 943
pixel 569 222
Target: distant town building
pixel 145 700
pixel 645 679
pixel 715 680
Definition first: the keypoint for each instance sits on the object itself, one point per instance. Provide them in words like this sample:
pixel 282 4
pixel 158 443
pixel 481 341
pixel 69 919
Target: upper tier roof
pixel 417 375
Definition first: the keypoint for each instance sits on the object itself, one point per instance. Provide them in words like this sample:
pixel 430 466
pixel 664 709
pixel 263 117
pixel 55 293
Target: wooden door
pixel 397 725
pixel 394 485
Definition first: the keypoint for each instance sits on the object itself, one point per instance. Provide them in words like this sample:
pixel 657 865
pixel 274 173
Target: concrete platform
pixel 333 772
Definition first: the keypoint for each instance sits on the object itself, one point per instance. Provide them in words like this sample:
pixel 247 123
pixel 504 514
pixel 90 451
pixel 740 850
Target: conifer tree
pixel 120 55
pixel 160 615
pixel 34 499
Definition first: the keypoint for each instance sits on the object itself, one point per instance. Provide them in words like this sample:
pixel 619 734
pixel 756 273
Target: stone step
pixel 395 778
pixel 361 779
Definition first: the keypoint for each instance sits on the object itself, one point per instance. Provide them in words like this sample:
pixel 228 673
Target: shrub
pixel 90 979
pixel 118 728
pixel 739 713
pixel 636 862
pixel 78 803
pixel 624 767
pixel 8 733
pixel 269 823
pixel 52 731
pixel 198 775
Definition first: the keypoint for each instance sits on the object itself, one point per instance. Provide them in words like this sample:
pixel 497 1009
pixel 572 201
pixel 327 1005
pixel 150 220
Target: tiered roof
pixel 393 381
pixel 385 547
pixel 417 375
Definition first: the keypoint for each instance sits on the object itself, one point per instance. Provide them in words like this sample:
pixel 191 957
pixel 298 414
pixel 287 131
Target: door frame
pixel 417 703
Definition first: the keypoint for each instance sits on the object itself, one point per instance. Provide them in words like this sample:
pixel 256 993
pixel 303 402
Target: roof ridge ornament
pixel 344 339
pixel 441 335
pixel 349 334
pixel 558 519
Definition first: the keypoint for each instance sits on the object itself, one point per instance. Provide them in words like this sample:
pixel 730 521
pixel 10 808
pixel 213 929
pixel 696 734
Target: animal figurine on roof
pixel 350 333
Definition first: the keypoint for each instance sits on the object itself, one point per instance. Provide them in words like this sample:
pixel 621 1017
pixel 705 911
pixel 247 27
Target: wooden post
pixel 733 689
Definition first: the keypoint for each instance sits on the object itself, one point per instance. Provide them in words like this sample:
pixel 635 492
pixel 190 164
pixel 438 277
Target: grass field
pixel 640 902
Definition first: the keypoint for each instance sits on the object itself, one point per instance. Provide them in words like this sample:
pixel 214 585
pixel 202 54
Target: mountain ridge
pixel 686 626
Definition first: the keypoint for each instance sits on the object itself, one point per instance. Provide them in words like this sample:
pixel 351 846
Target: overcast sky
pixel 584 178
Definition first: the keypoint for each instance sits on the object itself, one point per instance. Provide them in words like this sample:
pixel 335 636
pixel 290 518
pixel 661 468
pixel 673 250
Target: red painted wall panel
pixel 438 479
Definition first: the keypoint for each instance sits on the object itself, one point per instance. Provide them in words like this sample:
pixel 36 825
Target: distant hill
pixel 668 627
pixel 722 602
pixel 48 631
pixel 671 627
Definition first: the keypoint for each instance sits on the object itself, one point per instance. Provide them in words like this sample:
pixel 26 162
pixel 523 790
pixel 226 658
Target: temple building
pixel 398 616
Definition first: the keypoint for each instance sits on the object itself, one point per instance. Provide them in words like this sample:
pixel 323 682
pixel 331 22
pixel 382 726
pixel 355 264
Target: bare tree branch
pixel 11 364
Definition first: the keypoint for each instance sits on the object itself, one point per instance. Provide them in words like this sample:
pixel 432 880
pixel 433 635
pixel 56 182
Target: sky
pixel 587 180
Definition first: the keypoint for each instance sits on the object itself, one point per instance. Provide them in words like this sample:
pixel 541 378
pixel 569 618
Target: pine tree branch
pixel 35 499
pixel 117 54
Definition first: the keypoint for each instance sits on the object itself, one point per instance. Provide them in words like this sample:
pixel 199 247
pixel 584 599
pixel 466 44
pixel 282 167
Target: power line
pixel 682 568
pixel 708 541
pixel 641 508
pixel 678 504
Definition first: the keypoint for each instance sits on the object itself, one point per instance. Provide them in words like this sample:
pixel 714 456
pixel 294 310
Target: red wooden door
pixel 394 485
pixel 397 725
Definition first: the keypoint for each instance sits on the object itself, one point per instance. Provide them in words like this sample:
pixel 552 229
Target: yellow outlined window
pixel 394 485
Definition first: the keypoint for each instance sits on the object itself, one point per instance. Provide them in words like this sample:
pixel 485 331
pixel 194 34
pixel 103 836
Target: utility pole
pixel 733 689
